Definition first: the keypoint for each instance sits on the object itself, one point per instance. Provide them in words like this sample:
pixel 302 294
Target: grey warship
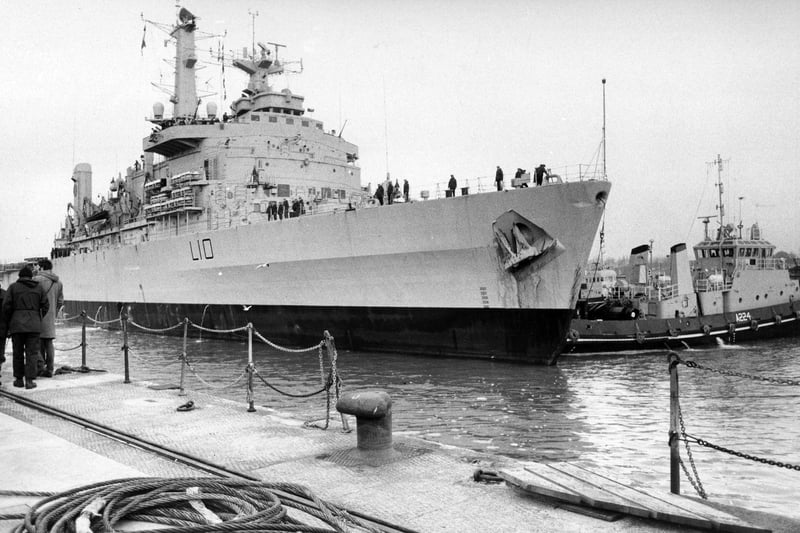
pixel 259 216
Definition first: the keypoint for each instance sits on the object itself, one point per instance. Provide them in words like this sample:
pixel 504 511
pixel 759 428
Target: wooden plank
pixel 721 520
pixel 519 477
pixel 609 494
pixel 577 485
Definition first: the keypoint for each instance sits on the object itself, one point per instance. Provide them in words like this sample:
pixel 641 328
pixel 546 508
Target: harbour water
pixel 609 412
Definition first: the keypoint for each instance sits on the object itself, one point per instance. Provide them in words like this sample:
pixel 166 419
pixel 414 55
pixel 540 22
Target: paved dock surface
pixel 422 486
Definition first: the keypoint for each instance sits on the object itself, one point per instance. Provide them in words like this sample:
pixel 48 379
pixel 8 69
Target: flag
pixel 144 32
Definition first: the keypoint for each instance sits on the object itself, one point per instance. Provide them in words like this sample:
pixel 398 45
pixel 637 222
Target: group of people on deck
pixel 539 175
pixel 28 316
pixel 387 193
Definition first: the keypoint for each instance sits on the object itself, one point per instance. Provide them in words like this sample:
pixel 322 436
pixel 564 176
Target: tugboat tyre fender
pixel 672 332
pixel 706 329
pixel 640 337
pixel 754 324
pixel 573 335
pixel 778 320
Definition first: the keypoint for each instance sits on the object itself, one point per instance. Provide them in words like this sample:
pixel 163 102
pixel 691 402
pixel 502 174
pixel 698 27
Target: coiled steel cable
pixel 190 505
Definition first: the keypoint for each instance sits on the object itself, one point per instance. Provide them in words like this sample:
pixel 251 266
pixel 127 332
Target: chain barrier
pixel 283 348
pixel 329 383
pixel 185 360
pixel 68 349
pixel 693 477
pixel 102 322
pixel 767 379
pixel 771 462
pixel 154 330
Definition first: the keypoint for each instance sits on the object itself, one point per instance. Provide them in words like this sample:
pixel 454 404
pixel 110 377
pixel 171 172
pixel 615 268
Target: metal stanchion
pixel 124 319
pixel 674 426
pixel 183 358
pixel 250 367
pixel 83 340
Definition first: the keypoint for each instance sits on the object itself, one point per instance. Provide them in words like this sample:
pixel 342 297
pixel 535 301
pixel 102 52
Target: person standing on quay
pixel 498 178
pixel 451 186
pixel 405 190
pixel 55 298
pixel 23 306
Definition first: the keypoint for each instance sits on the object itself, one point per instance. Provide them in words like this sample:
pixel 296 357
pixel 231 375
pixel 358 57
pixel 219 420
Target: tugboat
pixel 258 216
pixel 734 290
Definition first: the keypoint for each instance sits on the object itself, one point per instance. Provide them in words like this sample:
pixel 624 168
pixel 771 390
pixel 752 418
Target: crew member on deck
pixel 540 174
pixel 498 178
pixel 451 186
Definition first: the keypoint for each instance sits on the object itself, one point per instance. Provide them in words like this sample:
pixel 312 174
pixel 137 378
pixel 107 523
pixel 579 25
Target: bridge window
pixel 304 123
pixel 727 252
pixel 290 121
pixel 273 119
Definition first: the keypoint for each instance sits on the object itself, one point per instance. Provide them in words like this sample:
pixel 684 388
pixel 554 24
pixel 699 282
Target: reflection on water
pixel 608 412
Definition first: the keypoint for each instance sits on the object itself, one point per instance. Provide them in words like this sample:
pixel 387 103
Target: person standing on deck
pixel 540 174
pixel 23 306
pixel 54 290
pixel 498 178
pixel 451 186
pixel 390 193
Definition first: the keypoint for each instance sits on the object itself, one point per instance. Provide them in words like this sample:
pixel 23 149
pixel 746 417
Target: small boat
pixel 734 290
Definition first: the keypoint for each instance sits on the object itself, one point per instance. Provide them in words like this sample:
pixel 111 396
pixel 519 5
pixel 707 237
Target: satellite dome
pixel 211 109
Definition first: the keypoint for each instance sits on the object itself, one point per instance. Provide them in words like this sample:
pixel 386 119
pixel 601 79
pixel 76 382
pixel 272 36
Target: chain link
pixel 694 480
pixel 778 381
pixel 701 442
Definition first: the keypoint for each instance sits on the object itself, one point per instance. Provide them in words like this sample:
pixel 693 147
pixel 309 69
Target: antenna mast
pixel 721 206
pixel 605 175
pixel 253 15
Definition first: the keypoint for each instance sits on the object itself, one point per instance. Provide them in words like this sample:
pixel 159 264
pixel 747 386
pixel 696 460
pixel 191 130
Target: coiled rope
pixel 191 505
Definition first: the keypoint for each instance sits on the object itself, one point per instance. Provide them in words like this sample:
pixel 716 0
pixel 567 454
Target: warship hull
pixel 427 278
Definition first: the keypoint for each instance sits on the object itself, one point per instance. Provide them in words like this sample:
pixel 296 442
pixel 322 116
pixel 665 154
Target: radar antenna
pixel 706 219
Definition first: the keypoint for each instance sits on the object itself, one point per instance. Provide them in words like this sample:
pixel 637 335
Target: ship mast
pixel 184 99
pixel 605 175
pixel 721 206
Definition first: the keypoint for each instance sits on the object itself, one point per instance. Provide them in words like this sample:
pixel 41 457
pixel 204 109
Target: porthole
pixel 740 299
pixel 757 297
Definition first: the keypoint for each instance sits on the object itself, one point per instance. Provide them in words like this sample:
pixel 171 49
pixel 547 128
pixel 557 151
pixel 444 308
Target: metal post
pixel 250 368
pixel 124 319
pixel 674 425
pixel 183 358
pixel 83 341
pixel 330 347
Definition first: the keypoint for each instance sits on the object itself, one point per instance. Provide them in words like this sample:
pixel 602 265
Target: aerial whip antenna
pixel 605 175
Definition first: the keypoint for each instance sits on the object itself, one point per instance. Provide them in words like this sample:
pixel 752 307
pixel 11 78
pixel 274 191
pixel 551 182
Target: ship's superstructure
pixel 259 216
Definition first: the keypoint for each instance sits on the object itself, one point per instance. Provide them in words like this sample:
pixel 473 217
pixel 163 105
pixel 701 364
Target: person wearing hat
pixel 23 307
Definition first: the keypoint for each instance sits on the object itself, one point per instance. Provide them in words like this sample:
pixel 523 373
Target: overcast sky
pixel 435 88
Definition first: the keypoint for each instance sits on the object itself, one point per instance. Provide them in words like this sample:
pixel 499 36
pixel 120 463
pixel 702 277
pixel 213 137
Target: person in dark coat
pixel 390 193
pixel 539 174
pixel 23 307
pixel 3 329
pixel 498 178
pixel 379 194
pixel 55 298
pixel 405 190
pixel 451 185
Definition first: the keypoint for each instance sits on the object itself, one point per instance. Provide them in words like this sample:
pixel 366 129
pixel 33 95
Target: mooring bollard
pixel 373 412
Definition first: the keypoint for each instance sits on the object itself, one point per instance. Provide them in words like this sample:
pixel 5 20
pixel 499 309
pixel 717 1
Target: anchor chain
pixel 771 462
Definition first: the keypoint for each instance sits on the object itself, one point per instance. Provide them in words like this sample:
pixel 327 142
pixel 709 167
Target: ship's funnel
pixel 680 269
pixel 638 263
pixel 82 191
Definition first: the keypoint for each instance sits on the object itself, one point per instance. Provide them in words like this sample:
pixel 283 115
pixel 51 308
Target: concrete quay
pixel 420 486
